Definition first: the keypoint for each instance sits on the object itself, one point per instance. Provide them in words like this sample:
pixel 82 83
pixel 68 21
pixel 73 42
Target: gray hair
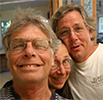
pixel 25 17
pixel 89 21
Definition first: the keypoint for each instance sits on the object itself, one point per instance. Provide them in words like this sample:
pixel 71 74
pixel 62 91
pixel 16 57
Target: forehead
pixel 73 14
pixel 70 18
pixel 29 32
pixel 62 52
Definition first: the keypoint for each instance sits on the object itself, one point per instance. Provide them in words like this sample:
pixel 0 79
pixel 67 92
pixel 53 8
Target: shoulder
pixel 5 93
pixel 4 90
pixel 99 49
pixel 100 45
pixel 8 93
pixel 8 83
pixel 56 96
pixel 65 91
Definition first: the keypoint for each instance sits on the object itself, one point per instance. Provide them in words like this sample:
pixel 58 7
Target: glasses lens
pixel 63 33
pixel 56 64
pixel 66 63
pixel 40 44
pixel 79 28
pixel 17 45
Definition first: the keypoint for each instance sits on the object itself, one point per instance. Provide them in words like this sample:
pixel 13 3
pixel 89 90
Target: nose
pixel 61 70
pixel 29 51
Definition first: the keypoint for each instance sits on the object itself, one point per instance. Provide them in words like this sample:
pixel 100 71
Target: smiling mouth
pixel 29 65
pixel 59 79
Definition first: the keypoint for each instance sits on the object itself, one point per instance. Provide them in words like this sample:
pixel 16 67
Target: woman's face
pixel 59 73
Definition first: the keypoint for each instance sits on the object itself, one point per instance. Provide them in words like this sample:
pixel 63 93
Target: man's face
pixel 79 41
pixel 59 75
pixel 30 65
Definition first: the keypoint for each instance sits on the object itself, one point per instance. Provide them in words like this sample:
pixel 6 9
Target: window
pixel 5 25
pixel 101 25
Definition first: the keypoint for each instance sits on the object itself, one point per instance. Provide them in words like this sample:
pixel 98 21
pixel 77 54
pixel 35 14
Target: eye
pixel 66 62
pixel 56 64
pixel 40 44
pixel 17 45
pixel 78 28
pixel 63 32
pixel 55 61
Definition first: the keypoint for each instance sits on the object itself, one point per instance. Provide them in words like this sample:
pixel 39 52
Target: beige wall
pixel 8 15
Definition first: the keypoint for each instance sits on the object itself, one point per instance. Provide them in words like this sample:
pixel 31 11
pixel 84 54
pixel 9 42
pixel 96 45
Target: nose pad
pixel 29 51
pixel 73 35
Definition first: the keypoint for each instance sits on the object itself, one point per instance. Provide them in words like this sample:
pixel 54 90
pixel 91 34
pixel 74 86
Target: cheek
pixel 68 71
pixel 85 36
pixel 47 58
pixel 50 81
pixel 12 59
pixel 52 72
pixel 67 43
pixel 51 75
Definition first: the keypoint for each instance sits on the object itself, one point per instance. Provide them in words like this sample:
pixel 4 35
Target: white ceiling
pixel 13 4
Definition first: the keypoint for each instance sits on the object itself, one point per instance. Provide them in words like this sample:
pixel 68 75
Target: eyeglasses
pixel 65 32
pixel 65 63
pixel 39 44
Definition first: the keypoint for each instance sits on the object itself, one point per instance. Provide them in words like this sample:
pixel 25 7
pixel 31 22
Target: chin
pixel 59 87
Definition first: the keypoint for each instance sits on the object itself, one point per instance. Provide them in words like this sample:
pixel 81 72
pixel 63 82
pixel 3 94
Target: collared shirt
pixel 8 93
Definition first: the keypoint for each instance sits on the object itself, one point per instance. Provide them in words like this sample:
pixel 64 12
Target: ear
pixel 90 33
pixel 7 60
pixel 7 64
pixel 6 55
pixel 53 57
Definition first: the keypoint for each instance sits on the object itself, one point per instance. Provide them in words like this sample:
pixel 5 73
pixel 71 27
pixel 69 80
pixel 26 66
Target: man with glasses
pixel 60 72
pixel 74 27
pixel 30 45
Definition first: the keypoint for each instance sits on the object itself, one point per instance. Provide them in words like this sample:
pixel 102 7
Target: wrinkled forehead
pixel 62 52
pixel 29 32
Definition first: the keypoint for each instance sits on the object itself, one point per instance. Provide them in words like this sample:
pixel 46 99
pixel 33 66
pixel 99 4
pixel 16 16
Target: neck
pixel 53 89
pixel 33 91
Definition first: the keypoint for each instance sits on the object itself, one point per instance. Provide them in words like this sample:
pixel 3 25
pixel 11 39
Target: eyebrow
pixel 73 25
pixel 62 28
pixel 67 56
